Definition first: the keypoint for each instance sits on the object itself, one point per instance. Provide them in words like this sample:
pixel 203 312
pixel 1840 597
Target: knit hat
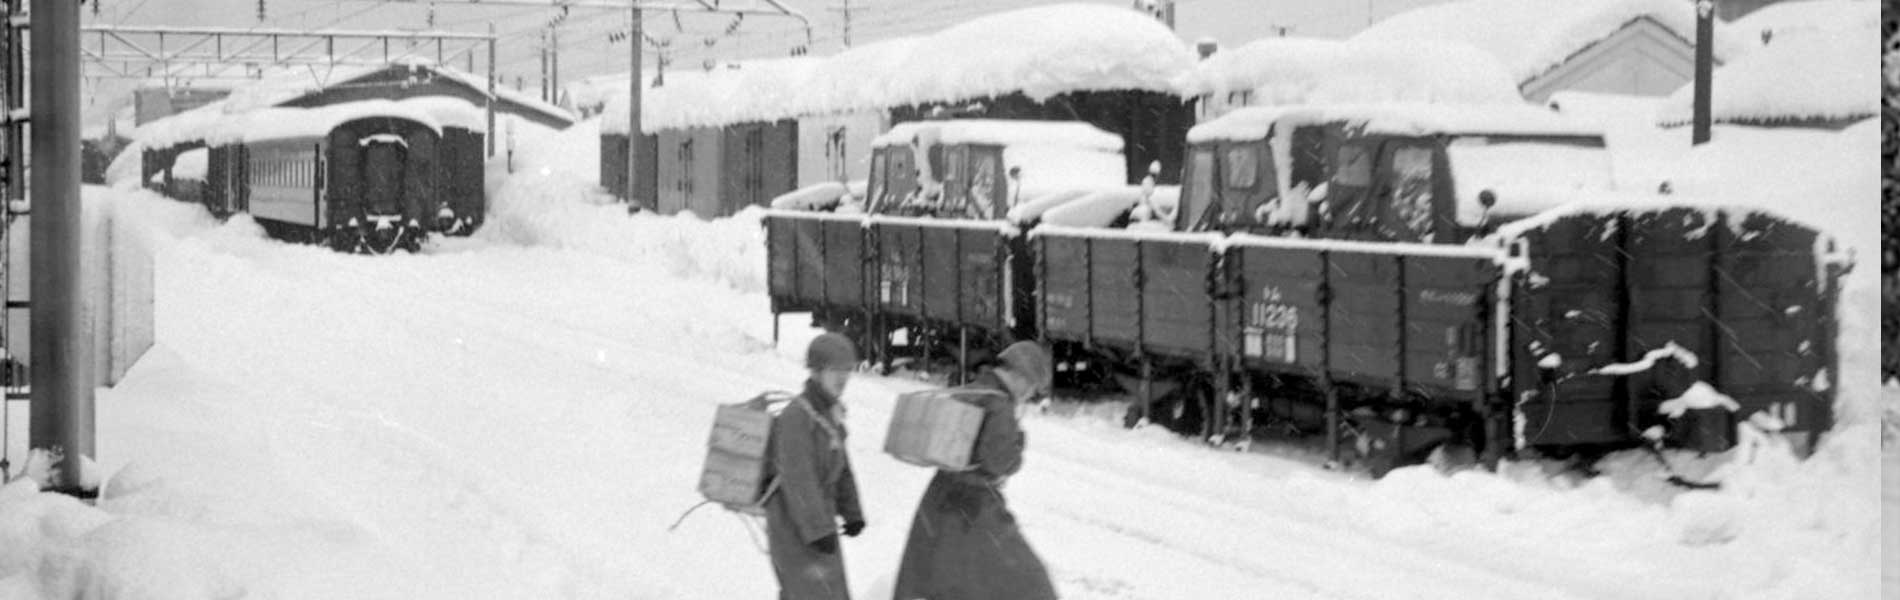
pixel 831 351
pixel 1028 360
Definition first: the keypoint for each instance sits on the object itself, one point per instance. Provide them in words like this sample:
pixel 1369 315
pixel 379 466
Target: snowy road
pixel 496 420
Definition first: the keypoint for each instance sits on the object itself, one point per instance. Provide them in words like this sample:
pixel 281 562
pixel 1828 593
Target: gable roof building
pixel 1636 47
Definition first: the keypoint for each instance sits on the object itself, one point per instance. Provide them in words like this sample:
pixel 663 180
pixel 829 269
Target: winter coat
pixel 815 488
pixel 964 544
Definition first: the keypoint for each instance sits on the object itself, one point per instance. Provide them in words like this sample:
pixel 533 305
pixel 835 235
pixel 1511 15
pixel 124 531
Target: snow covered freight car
pixel 369 176
pixel 1405 278
pixel 935 268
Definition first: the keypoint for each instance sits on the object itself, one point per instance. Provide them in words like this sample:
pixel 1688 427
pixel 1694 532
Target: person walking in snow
pixel 964 544
pixel 816 488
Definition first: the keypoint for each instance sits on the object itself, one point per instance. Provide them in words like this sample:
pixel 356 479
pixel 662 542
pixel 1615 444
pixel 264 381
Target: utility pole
pixel 62 402
pixel 636 38
pixel 1704 68
pixel 491 89
pixel 544 64
pixel 554 65
pixel 847 23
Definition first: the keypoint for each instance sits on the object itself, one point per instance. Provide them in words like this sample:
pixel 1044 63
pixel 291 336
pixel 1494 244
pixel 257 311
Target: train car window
pixel 954 200
pixel 1199 194
pixel 1239 166
pixel 902 175
pixel 1352 174
pixel 987 191
pixel 1407 197
pixel 874 182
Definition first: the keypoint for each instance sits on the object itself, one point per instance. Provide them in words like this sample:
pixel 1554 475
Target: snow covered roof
pixel 757 90
pixel 1532 37
pixel 1253 123
pixel 211 124
pixel 1799 76
pixel 1073 134
pixel 1809 15
pixel 1040 52
pixel 1320 71
pixel 284 85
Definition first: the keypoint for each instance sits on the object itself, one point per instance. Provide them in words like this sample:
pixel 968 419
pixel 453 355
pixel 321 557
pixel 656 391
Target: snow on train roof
pixel 213 125
pixel 1320 71
pixel 1040 52
pixel 1071 134
pixel 1254 122
pixel 1534 36
pixel 1799 75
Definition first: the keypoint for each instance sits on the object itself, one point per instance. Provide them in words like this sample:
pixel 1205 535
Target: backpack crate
pixel 736 470
pixel 935 428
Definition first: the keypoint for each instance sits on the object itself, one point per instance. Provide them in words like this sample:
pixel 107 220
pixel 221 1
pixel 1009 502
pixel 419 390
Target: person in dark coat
pixel 964 544
pixel 814 485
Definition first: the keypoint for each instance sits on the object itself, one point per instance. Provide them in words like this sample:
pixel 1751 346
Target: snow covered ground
pixel 523 414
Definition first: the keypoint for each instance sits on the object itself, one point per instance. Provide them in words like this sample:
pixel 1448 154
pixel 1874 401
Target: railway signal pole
pixel 62 401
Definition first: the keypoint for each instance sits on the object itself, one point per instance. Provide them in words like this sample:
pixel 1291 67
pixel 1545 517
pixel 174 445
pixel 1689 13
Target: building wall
pixel 836 147
pixel 151 104
pixel 1153 125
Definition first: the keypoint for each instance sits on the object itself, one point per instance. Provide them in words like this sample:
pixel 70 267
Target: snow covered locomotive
pixel 368 176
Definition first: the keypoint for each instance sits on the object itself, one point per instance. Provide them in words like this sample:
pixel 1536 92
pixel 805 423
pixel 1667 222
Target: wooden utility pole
pixel 61 368
pixel 554 65
pixel 1704 68
pixel 544 65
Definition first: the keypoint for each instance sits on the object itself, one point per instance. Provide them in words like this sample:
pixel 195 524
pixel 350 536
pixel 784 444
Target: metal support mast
pixel 636 39
pixel 62 403
pixel 1704 66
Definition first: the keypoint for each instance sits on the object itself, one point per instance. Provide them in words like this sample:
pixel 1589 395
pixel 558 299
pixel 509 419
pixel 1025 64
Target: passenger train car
pixel 368 176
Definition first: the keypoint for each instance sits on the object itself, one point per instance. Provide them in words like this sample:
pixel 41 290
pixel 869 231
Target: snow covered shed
pixel 1112 68
pixel 1637 47
pixel 715 141
pixel 1804 78
pixel 418 79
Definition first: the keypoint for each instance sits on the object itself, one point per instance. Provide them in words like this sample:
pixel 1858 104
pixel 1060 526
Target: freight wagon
pixel 1395 279
pixel 934 267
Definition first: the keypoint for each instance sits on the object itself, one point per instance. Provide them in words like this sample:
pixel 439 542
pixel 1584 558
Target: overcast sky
pixel 693 38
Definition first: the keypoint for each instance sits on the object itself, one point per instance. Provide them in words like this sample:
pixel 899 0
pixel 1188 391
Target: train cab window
pixel 987 189
pixel 874 183
pixel 1238 165
pixel 1250 184
pixel 1352 176
pixel 1199 195
pixel 900 175
pixel 1406 202
pixel 954 201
